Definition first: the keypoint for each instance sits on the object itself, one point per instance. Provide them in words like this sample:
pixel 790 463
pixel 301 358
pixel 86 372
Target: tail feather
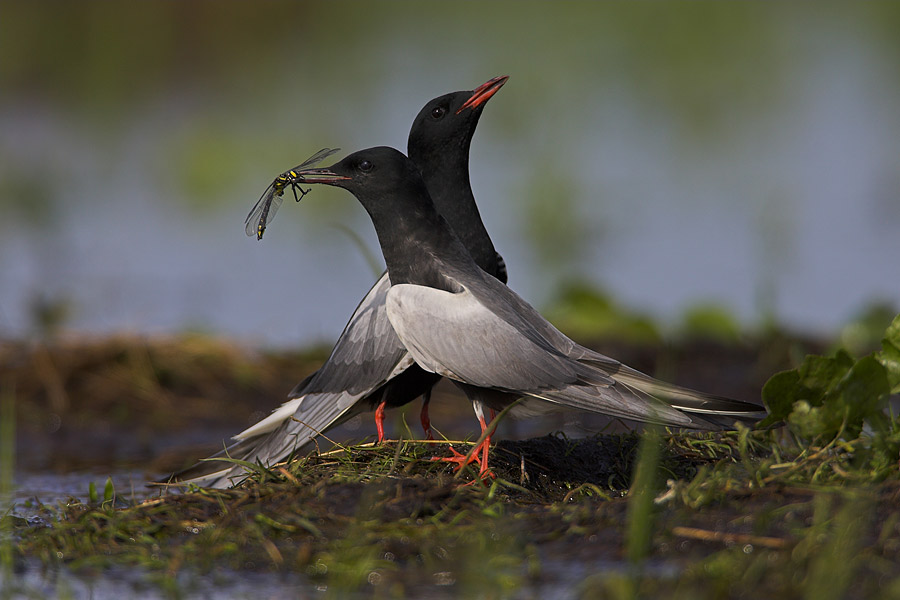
pixel 271 444
pixel 214 473
pixel 688 400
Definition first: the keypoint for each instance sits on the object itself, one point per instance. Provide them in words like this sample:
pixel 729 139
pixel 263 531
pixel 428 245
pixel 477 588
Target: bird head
pixel 450 120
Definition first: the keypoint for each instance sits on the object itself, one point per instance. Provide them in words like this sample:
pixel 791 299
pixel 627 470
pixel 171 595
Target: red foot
pixel 459 459
pixel 483 450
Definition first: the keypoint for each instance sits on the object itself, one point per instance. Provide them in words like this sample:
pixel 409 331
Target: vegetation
pixel 807 509
pixel 618 109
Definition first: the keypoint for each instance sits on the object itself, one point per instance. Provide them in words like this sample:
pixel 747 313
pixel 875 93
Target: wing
pixel 367 356
pixel 456 335
pixel 263 211
pixel 315 158
pixel 252 220
pixel 268 442
pixel 688 400
pixel 507 305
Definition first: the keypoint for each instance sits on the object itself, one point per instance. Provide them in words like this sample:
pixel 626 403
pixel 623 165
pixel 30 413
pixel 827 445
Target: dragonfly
pixel 270 201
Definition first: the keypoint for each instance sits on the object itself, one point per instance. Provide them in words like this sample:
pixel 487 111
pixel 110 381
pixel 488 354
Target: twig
pixel 735 538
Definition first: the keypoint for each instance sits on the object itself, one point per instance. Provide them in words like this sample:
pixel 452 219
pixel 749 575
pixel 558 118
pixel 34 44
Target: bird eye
pixel 438 112
pixel 365 166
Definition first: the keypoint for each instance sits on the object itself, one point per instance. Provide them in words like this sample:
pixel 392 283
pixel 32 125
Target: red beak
pixel 483 92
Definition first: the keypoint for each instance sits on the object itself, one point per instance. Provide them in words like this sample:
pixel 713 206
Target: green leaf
pixel 862 394
pixel 889 356
pixel 825 394
pixel 821 374
pixel 809 422
pixel 780 393
pixel 109 490
pixel 830 405
pixel 92 493
pixel 809 382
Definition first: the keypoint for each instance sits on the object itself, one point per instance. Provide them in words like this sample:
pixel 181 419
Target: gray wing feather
pixel 506 304
pixel 456 335
pixel 287 436
pixel 367 355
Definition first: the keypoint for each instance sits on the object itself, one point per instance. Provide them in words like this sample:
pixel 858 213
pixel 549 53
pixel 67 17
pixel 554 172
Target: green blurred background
pixel 742 158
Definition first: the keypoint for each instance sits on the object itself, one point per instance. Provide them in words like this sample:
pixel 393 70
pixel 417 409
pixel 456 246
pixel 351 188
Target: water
pixel 759 172
pixel 561 579
pixel 35 581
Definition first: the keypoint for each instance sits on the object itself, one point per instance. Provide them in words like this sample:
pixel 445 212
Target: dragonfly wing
pixel 317 157
pixel 251 223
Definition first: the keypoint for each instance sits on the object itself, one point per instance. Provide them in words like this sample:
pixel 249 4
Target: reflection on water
pixel 35 581
pixel 31 489
pixel 560 579
pixel 719 155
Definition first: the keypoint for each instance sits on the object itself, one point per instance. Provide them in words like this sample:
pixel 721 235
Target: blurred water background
pixel 737 154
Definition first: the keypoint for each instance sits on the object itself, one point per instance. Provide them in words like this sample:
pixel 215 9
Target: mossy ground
pixel 731 515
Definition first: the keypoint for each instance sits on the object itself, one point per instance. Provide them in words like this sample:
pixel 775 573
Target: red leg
pixel 379 421
pixel 485 447
pixel 426 422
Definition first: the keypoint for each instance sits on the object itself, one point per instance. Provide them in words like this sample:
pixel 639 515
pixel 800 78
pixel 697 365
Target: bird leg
pixel 485 445
pixel 479 454
pixel 426 422
pixel 379 421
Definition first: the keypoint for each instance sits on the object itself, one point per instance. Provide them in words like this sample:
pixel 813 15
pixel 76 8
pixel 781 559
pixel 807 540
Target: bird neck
pixel 450 188
pixel 417 243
